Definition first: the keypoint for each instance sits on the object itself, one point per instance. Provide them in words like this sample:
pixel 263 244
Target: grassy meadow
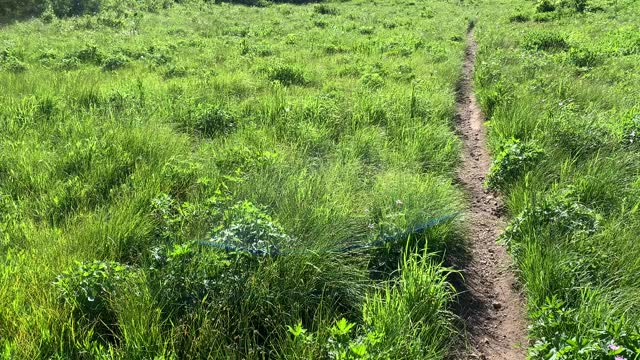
pixel 269 180
pixel 227 181
pixel 560 85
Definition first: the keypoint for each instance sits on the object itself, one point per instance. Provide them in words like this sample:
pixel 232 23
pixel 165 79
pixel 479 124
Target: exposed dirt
pixel 490 302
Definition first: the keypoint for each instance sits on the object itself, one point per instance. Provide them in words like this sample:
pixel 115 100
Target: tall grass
pixel 134 146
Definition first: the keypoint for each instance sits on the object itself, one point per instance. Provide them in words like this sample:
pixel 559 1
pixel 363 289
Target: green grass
pixel 215 180
pixel 571 88
pixel 127 137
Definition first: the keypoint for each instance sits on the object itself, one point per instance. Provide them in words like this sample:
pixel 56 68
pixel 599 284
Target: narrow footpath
pixel 490 303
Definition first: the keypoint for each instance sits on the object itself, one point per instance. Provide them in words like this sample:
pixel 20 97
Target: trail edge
pixel 490 304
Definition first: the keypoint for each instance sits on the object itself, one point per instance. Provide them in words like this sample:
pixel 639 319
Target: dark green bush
pixel 213 120
pixel 514 159
pixel 184 275
pixel 287 75
pixel 9 62
pixel 583 57
pixel 555 320
pixel 561 215
pixel 544 6
pixel 66 8
pixel 544 41
pixel 519 17
pixel 115 62
pixel 89 55
pixel 90 286
pixel 325 10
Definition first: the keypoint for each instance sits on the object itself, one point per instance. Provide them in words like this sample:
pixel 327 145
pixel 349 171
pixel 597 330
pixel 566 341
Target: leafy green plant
pixel 249 229
pixel 544 6
pixel 519 18
pixel 614 341
pixel 561 214
pixel 583 57
pixel 514 159
pixel 372 81
pixel 184 276
pixel 114 62
pixel 287 75
pixel 213 120
pixel 544 41
pixel 89 287
pixel 324 9
pixel 631 129
pixel 11 63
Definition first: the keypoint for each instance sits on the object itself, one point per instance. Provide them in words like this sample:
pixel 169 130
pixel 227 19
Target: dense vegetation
pixel 215 180
pixel 561 84
pixel 202 179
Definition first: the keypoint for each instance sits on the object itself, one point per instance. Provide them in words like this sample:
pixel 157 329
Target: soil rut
pixel 490 304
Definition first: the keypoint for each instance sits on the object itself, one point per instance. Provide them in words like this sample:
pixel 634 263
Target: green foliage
pixel 11 63
pixel 286 75
pixel 544 41
pixel 519 18
pixel 177 139
pixel 250 229
pixel 572 216
pixel 550 325
pixel 114 62
pixel 544 6
pixel 89 288
pixel 185 276
pixel 583 57
pixel 513 160
pixel 631 129
pixel 324 9
pixel 372 81
pixel 559 216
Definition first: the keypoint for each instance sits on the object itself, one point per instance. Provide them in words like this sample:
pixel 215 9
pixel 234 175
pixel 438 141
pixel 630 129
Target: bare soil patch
pixel 489 302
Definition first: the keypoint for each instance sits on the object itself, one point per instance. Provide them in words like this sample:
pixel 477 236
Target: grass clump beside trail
pixel 563 115
pixel 216 180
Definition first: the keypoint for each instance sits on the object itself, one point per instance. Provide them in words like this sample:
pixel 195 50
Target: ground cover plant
pixel 553 80
pixel 213 180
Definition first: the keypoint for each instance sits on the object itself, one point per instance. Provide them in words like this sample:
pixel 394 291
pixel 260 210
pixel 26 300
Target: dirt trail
pixel 490 304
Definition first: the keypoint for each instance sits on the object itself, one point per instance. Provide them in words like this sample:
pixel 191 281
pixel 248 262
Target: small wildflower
pixel 399 202
pixel 366 211
pixel 371 226
pixel 619 358
pixel 613 347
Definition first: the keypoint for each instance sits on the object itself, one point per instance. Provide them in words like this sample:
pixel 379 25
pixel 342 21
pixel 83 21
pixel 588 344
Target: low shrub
pixel 9 62
pixel 89 287
pixel 286 75
pixel 519 17
pixel 91 54
pixel 615 340
pixel 544 6
pixel 514 159
pixel 561 215
pixel 115 62
pixel 251 230
pixel 545 41
pixel 324 9
pixel 583 57
pixel 372 81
